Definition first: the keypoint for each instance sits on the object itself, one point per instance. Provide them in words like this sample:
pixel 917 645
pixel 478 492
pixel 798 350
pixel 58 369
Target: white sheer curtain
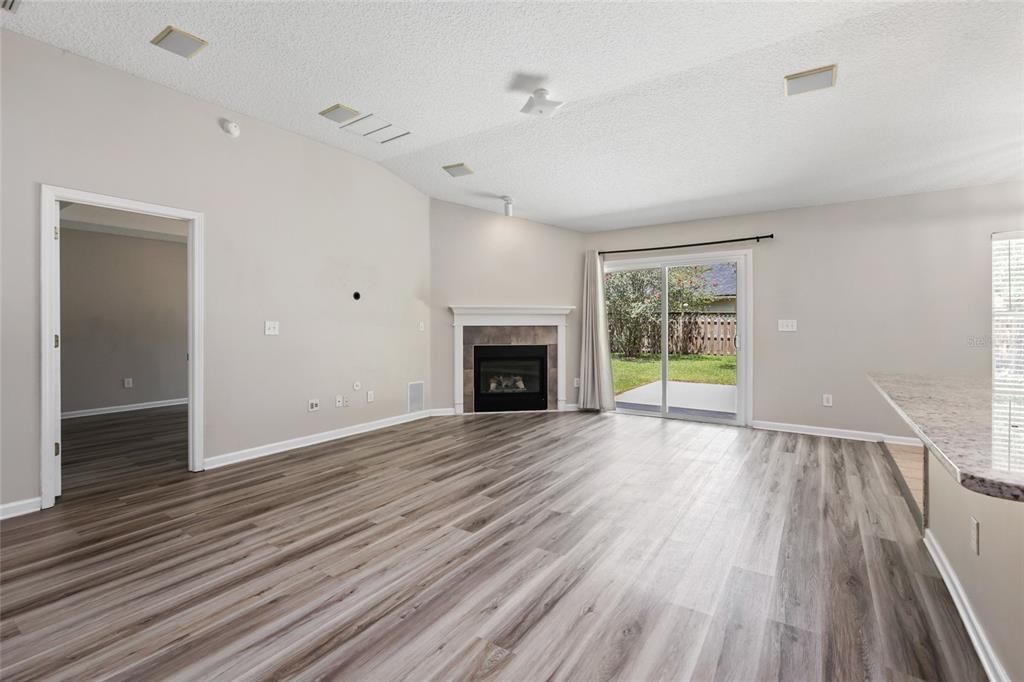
pixel 595 354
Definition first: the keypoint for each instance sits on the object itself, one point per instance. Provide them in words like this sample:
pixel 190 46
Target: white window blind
pixel 1008 311
pixel 1007 439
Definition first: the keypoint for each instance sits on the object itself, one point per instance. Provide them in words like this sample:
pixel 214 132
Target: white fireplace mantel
pixel 508 316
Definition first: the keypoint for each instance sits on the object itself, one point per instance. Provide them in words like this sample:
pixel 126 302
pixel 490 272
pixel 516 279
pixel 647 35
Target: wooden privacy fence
pixel 694 333
pixel 702 333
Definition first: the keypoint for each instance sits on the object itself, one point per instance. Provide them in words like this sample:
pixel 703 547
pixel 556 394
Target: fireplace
pixel 508 325
pixel 508 378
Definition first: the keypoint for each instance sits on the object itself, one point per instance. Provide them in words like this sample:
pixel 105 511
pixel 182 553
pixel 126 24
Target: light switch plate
pixel 128 382
pixel 975 537
pixel 369 396
pixel 826 399
pixel 787 325
pixel 314 404
pixel 271 328
pixel 339 400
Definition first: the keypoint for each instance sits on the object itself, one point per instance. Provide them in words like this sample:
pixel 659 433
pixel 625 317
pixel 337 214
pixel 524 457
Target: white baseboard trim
pixel 312 439
pixel 570 407
pixel 442 412
pixel 989 660
pixel 902 440
pixel 834 433
pixel 12 509
pixel 123 408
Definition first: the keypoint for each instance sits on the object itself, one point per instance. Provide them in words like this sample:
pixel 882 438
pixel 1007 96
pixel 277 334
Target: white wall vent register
pixel 416 399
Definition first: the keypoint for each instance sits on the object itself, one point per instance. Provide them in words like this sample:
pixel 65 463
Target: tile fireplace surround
pixel 508 325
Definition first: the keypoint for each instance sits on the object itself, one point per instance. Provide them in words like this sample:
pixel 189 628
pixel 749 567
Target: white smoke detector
pixel 540 104
pixel 230 127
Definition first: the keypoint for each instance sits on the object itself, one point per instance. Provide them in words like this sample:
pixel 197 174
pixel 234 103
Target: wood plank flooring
pixel 910 462
pixel 515 547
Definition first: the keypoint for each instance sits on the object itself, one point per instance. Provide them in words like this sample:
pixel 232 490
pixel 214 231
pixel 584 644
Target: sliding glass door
pixel 676 328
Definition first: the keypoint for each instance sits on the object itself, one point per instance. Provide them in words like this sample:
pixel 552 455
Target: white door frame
pixel 744 259
pixel 50 405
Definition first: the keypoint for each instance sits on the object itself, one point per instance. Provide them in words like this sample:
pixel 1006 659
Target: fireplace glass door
pixel 510 378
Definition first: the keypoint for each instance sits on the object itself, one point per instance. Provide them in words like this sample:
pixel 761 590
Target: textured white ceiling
pixel 674 111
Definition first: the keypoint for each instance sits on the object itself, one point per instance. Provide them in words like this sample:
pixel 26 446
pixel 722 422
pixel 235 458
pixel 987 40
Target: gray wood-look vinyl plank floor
pixel 511 547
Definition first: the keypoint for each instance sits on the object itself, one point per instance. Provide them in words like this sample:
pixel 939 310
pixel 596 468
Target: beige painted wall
pixel 897 284
pixel 482 258
pixel 293 227
pixel 124 313
pixel 993 581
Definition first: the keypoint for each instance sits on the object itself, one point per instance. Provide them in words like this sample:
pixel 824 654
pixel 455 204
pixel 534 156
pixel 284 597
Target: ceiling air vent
pixel 179 42
pixel 457 170
pixel 339 113
pixel 373 127
pixel 11 5
pixel 815 79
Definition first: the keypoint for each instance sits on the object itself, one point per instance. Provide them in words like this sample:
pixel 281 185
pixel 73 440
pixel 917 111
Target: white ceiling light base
pixel 540 104
pixel 508 205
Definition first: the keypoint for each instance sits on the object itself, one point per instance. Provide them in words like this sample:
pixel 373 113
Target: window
pixel 1008 311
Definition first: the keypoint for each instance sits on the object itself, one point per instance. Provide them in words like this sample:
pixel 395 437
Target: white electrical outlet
pixel 423 326
pixel 576 382
pixel 975 539
pixel 128 382
pixel 369 396
pixel 271 328
pixel 314 404
pixel 356 386
pixel 787 325
pixel 826 399
pixel 339 400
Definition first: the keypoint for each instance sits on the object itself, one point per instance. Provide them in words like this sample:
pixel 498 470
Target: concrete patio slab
pixel 681 394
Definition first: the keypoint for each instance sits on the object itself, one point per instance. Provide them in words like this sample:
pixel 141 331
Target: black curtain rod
pixel 758 238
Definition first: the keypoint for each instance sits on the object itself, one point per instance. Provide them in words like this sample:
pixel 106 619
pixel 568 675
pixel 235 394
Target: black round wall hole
pixel 356 295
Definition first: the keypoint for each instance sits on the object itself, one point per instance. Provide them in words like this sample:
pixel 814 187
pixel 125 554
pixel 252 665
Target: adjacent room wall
pixel 482 258
pixel 293 227
pixel 899 284
pixel 124 313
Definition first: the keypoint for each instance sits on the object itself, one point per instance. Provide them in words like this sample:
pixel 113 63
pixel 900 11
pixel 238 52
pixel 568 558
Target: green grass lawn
pixel 629 373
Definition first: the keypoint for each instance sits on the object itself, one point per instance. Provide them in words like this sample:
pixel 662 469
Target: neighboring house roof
pixel 721 279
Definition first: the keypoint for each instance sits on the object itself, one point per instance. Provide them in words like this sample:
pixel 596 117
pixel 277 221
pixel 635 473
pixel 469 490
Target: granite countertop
pixel 977 433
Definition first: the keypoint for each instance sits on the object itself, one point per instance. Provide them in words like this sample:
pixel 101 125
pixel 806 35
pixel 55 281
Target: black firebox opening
pixel 510 378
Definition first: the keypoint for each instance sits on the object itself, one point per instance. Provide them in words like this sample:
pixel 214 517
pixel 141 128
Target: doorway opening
pixel 678 331
pixel 122 354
